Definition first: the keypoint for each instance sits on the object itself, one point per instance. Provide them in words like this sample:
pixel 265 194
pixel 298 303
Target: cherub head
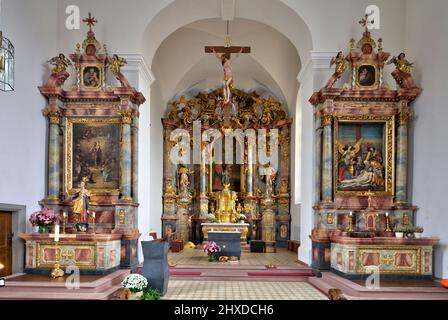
pixel 401 56
pixel 339 56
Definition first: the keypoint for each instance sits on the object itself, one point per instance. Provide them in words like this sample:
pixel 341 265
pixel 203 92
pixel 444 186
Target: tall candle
pixel 387 214
pixel 351 213
pixel 56 232
pixel 93 214
pixel 64 215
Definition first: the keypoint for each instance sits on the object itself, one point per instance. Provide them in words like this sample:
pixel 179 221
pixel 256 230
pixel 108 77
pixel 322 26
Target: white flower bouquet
pixel 135 282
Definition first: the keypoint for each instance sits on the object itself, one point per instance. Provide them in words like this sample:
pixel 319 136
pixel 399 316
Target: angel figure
pixel 226 62
pixel 402 72
pixel 341 66
pixel 401 63
pixel 115 66
pixel 348 159
pixel 60 63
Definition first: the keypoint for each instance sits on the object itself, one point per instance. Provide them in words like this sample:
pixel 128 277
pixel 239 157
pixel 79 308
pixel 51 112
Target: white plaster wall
pixel 427 46
pixel 31 26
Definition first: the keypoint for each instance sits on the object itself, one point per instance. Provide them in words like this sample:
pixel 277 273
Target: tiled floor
pixel 241 290
pixel 199 257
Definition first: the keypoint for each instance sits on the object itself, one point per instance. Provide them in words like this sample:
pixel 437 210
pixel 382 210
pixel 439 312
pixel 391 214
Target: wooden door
pixel 5 244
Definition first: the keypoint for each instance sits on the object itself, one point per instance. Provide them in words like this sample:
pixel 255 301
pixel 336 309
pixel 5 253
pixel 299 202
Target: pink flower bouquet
pixel 44 217
pixel 211 248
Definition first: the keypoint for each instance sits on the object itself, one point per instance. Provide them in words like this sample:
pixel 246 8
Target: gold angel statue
pixel 115 66
pixel 341 66
pixel 402 72
pixel 348 159
pixel 60 63
pixel 401 63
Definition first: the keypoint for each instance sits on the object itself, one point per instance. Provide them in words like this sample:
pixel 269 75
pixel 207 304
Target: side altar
pixel 92 163
pixel 362 136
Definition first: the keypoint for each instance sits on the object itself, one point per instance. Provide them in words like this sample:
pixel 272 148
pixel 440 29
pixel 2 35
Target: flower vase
pixel 211 257
pixel 35 229
pixel 43 229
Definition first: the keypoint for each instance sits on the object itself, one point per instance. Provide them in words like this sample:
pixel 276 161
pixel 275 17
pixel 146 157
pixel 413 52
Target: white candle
pixel 387 214
pixel 93 215
pixel 56 232
pixel 351 213
pixel 64 215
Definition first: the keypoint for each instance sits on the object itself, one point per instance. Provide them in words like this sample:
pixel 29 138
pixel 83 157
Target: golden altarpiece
pixel 92 150
pixel 200 195
pixel 362 168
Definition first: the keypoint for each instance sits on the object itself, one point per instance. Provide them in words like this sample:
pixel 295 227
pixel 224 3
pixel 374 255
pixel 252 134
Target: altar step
pixel 42 287
pixel 236 272
pixel 354 291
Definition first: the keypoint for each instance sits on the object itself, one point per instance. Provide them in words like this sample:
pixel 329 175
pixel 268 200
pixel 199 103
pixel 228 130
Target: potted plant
pixel 418 232
pixel 212 249
pixel 399 232
pixel 43 219
pixel 151 294
pixel 241 218
pixel 136 283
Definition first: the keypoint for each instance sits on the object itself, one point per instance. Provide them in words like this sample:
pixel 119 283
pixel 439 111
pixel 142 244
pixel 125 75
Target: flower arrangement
pixel 211 218
pixel 44 218
pixel 241 218
pixel 211 248
pixel 135 282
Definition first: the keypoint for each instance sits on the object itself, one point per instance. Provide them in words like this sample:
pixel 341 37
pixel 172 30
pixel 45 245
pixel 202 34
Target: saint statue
pixel 184 180
pixel 81 206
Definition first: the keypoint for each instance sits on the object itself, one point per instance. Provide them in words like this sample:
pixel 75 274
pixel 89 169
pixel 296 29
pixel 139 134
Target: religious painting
pixel 93 151
pixel 363 154
pixel 366 75
pixel 226 174
pixel 91 76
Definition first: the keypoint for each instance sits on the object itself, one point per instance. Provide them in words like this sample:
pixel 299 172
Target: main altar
pixel 217 186
pixel 92 164
pixel 362 136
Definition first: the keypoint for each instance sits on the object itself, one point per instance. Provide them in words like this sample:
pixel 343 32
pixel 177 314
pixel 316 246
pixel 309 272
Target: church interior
pixel 223 150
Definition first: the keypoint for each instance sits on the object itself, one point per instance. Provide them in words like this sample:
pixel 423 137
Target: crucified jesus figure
pixel 226 62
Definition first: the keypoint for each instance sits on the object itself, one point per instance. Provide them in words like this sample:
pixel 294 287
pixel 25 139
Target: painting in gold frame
pixel 92 76
pixel 93 151
pixel 364 154
pixel 366 76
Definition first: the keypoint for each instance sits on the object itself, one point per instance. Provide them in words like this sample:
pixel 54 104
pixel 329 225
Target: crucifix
pixel 226 61
pixel 90 21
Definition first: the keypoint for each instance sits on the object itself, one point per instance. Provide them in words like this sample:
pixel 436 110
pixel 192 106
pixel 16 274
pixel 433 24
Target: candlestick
pixel 94 221
pixel 387 223
pixel 56 232
pixel 350 222
pixel 64 217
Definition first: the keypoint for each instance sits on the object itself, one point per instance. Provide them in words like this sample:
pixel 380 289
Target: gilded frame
pixel 389 151
pixel 100 79
pixel 375 84
pixel 68 151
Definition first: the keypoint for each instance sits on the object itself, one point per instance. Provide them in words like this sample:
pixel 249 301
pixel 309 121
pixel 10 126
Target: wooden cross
pixel 90 21
pixel 227 50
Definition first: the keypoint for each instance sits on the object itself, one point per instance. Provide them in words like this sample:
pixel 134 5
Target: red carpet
pixel 185 273
pixel 278 274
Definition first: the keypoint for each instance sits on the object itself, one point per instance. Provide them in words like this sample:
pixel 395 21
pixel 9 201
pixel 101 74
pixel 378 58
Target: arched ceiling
pixel 180 62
